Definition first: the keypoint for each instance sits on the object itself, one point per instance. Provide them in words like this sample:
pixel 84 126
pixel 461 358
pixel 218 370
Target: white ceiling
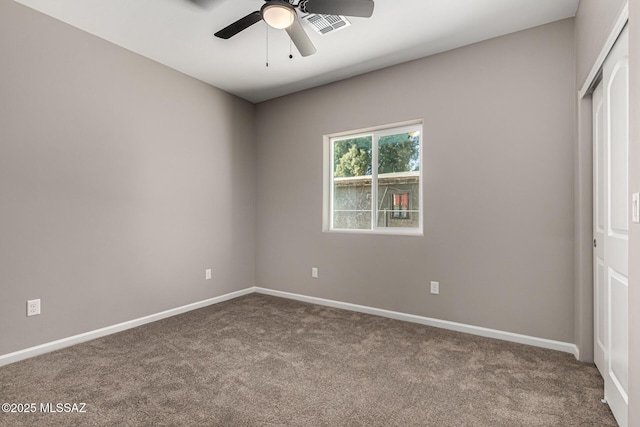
pixel 179 34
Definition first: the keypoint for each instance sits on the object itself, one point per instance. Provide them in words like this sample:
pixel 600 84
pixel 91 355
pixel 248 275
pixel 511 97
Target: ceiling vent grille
pixel 324 24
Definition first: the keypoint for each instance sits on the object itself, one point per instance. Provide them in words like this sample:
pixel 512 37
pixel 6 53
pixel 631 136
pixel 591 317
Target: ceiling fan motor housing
pixel 278 14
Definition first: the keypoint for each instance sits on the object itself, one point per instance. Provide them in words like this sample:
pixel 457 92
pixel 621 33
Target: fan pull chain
pixel 267 61
pixel 290 47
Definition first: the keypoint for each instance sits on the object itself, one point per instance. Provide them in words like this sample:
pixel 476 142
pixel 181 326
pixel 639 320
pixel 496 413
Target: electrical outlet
pixel 435 288
pixel 314 272
pixel 207 274
pixel 635 208
pixel 33 307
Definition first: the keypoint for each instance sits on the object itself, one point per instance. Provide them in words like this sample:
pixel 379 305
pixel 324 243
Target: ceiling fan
pixel 281 14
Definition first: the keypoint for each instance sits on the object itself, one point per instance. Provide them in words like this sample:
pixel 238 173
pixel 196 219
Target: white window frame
pixel 328 184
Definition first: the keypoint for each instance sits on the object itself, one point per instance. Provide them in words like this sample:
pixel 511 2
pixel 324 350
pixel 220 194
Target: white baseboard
pixel 443 324
pixel 6 359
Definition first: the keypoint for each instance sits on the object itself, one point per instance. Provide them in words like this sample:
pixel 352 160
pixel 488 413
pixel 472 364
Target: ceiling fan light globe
pixel 278 16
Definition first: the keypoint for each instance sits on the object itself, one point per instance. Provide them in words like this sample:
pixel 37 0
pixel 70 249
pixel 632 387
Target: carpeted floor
pixel 265 361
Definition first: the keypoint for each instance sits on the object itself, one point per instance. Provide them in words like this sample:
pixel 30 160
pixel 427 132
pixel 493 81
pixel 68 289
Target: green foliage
pixel 352 157
pixel 396 153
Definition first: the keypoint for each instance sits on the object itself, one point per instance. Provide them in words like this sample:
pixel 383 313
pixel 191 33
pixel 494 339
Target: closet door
pixel 611 227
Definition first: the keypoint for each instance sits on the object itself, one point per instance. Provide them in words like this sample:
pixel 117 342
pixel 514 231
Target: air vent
pixel 324 24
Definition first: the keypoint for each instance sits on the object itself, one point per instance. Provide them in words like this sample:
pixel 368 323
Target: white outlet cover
pixel 314 272
pixel 435 288
pixel 33 307
pixel 207 274
pixel 635 208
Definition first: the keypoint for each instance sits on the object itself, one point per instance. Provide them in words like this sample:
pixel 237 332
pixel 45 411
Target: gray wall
pixel 120 182
pixel 498 133
pixel 634 240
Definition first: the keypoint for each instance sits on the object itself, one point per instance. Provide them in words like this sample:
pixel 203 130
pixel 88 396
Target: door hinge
pixel 595 243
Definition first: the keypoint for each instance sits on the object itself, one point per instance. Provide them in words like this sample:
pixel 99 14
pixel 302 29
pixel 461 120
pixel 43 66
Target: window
pixel 401 205
pixel 373 180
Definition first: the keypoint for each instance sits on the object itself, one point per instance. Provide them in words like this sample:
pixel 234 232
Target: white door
pixel 611 226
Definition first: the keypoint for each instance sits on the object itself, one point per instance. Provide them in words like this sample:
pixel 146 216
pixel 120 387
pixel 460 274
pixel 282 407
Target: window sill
pixel 387 232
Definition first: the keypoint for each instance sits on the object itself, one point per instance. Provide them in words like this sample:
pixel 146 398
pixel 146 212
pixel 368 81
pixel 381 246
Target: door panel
pixel 619 332
pixel 618 104
pixel 611 227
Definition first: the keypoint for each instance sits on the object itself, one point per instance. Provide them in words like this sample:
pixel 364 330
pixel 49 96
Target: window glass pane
pixel 399 180
pixel 352 183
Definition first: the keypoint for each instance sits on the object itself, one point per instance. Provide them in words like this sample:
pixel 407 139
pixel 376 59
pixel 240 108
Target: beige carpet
pixel 265 361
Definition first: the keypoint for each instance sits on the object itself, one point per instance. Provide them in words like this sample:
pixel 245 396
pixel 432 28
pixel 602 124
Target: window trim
pixel 328 187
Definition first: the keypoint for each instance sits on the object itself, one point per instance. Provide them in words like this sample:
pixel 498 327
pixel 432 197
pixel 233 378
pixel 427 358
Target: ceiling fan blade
pixel 358 8
pixel 300 38
pixel 239 25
